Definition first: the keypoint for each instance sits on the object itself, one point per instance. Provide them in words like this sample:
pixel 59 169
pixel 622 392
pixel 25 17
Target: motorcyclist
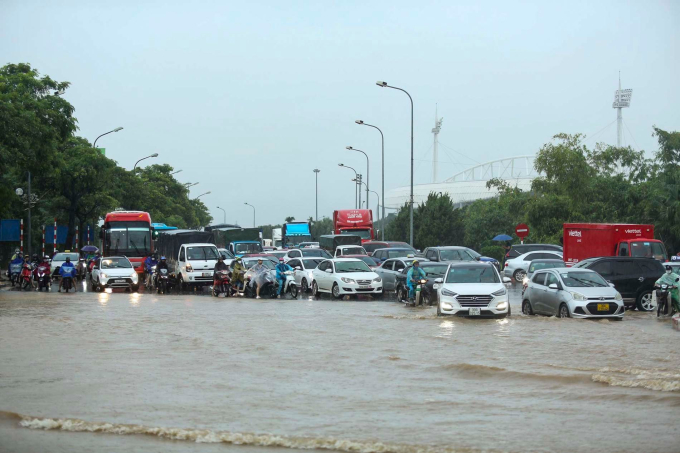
pixel 17 252
pixel 259 270
pixel 18 258
pixel 66 270
pixel 221 265
pixel 44 267
pixel 237 272
pixel 280 276
pixel 414 274
pixel 149 263
pixel 669 278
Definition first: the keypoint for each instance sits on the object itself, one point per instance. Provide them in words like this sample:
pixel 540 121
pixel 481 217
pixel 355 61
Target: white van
pixel 194 264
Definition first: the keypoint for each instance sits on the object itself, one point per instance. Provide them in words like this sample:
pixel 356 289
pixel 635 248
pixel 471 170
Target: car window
pixel 550 279
pixel 388 265
pixel 629 268
pixel 654 267
pixel 311 263
pixel 623 249
pixel 452 255
pixel 431 255
pixel 295 254
pixel 201 253
pixel 181 255
pixel 603 268
pixel 399 265
pixel 531 257
pixel 539 278
pixel 294 263
pixel 323 266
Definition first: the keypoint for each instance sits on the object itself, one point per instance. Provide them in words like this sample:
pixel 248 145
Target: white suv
pixel 346 276
pixel 473 289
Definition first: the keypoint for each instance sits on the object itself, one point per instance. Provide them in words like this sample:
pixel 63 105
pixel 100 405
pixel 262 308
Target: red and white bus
pixel 128 233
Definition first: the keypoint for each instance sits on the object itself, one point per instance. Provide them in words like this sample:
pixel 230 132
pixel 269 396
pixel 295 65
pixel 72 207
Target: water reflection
pixel 446 329
pixel 103 299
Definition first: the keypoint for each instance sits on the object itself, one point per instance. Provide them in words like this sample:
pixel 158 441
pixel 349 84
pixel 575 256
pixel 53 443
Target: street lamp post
pixel 355 186
pixel 316 176
pixel 385 85
pixel 188 184
pixel 175 172
pixel 253 212
pixel 225 214
pixel 147 157
pixel 382 139
pixel 368 176
pixel 105 133
pixel 206 193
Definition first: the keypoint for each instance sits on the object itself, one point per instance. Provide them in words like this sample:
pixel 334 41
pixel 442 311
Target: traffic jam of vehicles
pixel 599 271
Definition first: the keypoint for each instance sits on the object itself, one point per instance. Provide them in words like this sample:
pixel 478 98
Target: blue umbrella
pixel 502 237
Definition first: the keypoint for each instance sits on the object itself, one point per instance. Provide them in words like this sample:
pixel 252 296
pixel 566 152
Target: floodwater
pixel 177 373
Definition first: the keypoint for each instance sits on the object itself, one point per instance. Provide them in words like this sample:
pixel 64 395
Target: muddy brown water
pixel 142 372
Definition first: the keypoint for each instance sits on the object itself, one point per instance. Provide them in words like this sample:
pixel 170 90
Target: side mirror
pixel 553 286
pixel 677 279
pixel 418 250
pixel 298 268
pixel 509 280
pixel 612 285
pixel 477 258
pixel 439 280
pixel 329 271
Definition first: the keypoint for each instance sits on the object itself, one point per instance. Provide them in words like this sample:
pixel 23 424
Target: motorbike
pixel 289 285
pixel 421 294
pixel 268 290
pixel 67 279
pixel 222 284
pixel 150 282
pixel 42 276
pixel 26 278
pixel 664 307
pixel 81 269
pixel 15 273
pixel 162 281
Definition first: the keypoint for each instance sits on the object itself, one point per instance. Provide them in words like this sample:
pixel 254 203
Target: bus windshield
pixel 129 238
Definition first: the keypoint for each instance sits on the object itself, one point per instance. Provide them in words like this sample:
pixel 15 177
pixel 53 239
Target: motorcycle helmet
pixel 281 260
pixel 415 262
pixel 669 269
pixel 68 259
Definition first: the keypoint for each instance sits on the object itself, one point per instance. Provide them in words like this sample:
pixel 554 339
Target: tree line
pixel 72 180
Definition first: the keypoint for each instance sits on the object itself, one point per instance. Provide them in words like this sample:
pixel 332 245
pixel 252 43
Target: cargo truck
pixel 590 240
pixel 191 256
pixel 239 241
pixel 354 221
pixel 276 238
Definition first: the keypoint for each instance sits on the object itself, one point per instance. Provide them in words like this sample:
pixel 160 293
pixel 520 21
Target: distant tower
pixel 621 100
pixel 435 155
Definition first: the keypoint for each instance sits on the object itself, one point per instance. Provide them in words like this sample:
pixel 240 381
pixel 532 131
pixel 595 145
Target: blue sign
pixel 10 230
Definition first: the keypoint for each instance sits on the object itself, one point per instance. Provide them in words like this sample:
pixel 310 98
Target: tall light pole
pixel 253 212
pixel 316 176
pixel 206 193
pixel 385 85
pixel 147 157
pixel 188 184
pixel 225 214
pixel 105 133
pixel 368 177
pixel 382 139
pixel 175 172
pixel 356 175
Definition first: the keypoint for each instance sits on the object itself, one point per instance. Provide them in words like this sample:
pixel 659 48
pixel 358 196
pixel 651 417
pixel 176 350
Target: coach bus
pixel 128 233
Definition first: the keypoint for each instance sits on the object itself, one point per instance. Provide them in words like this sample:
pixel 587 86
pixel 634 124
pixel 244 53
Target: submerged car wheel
pixel 315 289
pixel 304 286
pixel 526 308
pixel 519 275
pixel 379 296
pixel 336 291
pixel 400 294
pixel 564 311
pixel 645 301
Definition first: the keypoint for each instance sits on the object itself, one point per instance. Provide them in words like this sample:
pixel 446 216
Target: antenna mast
pixel 435 154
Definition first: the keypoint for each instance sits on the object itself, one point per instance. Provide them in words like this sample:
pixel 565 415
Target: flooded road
pixel 330 375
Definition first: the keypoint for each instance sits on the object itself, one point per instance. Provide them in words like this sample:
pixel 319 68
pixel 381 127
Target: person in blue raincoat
pixel 149 262
pixel 669 278
pixel 414 274
pixel 66 270
pixel 280 276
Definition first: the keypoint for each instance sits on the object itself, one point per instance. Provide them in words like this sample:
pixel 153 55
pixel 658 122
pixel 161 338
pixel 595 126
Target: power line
pixel 462 155
pixel 590 137
pixel 631 134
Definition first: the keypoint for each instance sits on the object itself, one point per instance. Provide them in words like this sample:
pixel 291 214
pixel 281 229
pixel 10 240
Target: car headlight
pixel 500 292
pixel 103 275
pixel 501 305
pixel 447 306
pixel 347 280
pixel 190 268
pixel 618 296
pixel 446 292
pixel 377 280
pixel 578 296
pixel 133 276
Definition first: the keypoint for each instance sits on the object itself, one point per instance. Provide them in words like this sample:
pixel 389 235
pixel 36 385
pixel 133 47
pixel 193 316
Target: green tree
pixel 289 219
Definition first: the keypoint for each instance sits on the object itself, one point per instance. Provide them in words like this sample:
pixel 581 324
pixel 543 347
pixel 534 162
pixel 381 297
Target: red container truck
pixel 589 240
pixel 354 221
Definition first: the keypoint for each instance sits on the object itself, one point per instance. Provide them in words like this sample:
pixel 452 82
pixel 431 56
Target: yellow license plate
pixel 602 307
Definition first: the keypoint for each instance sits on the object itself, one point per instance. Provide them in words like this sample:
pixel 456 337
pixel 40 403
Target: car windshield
pixel 433 270
pixel 545 265
pixel 455 255
pixel 363 234
pixel 278 254
pixel 399 253
pixel 582 279
pixel 473 253
pixel 368 260
pixel 648 250
pixel 202 253
pixel 115 263
pixel 353 251
pixel 226 254
pixel 62 257
pixel 252 262
pixel 311 263
pixel 243 248
pixel 316 252
pixel 343 267
pixel 472 274
pixel 373 246
pixel 401 245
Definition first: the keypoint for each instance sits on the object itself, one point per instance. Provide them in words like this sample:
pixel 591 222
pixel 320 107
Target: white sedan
pixel 114 272
pixel 304 271
pixel 517 267
pixel 473 289
pixel 346 276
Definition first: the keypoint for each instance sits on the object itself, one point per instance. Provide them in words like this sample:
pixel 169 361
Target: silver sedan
pixel 390 268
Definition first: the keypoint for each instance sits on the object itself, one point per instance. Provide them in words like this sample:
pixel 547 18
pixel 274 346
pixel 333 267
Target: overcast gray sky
pixel 256 95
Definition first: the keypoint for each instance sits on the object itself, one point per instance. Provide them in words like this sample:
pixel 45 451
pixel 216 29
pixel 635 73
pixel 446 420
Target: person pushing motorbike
pixel 669 278
pixel 414 274
pixel 149 263
pixel 280 276
pixel 258 273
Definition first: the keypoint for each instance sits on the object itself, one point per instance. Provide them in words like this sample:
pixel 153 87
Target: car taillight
pixel 506 264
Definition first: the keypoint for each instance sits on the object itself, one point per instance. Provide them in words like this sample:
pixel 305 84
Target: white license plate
pixel 207 274
pixel 475 311
pixel 122 280
pixel 364 287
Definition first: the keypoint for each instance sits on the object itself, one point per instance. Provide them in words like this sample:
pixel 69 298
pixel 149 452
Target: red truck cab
pixel 589 240
pixel 354 221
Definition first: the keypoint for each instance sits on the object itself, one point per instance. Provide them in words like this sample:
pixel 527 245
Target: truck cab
pixel 642 248
pixel 240 248
pixel 194 264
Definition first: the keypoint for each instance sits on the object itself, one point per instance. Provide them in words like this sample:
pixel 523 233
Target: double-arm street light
pixel 105 133
pixel 147 157
pixel 253 212
pixel 207 193
pixel 175 172
pixel 225 214
pixel 368 177
pixel 382 137
pixel 356 175
pixel 385 85
pixel 316 175
pixel 188 184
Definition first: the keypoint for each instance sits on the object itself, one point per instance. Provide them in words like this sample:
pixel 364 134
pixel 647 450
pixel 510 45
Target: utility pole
pixel 435 154
pixel 316 175
pixel 359 189
pixel 621 100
